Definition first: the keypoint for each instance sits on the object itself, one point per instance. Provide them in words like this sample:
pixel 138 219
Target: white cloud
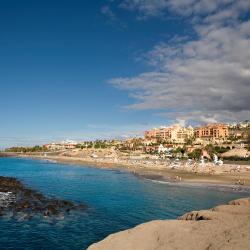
pixel 112 18
pixel 145 7
pixel 106 10
pixel 206 79
pixel 215 8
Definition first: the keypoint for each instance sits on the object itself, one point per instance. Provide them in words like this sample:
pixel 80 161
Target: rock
pixel 197 215
pixel 17 199
pixel 52 209
pixel 244 201
pixel 1 211
pixel 223 227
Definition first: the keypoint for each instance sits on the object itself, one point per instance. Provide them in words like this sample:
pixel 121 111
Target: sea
pixel 116 200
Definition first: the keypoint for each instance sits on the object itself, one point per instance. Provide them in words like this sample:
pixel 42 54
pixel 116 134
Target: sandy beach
pixel 235 175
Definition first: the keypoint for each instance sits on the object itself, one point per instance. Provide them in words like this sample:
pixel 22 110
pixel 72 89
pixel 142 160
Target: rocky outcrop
pixel 238 152
pixel 222 227
pixel 16 200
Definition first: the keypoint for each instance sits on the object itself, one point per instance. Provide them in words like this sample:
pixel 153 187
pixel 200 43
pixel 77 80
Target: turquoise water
pixel 116 201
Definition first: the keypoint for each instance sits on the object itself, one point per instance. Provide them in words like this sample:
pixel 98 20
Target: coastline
pixel 222 227
pixel 155 173
pixel 152 228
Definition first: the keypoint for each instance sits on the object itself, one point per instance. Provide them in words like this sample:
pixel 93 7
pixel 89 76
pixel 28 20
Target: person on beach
pixel 240 182
pixel 177 178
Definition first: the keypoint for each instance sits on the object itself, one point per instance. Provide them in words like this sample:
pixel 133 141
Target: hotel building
pixel 175 133
pixel 212 132
pixel 61 145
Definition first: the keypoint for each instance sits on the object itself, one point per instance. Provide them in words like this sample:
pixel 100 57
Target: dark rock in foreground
pixel 15 198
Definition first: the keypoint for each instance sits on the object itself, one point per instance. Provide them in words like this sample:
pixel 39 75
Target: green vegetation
pixel 237 158
pixel 211 149
pixel 95 144
pixel 179 151
pixel 221 150
pixel 248 140
pixel 196 154
pixel 232 138
pixel 26 149
pixel 100 144
pixel 189 141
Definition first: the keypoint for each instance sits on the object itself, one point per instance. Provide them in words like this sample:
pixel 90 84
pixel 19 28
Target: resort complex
pixel 174 133
pixel 221 140
pixel 178 134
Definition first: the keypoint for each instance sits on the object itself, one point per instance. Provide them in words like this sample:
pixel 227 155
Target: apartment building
pixel 212 132
pixel 61 145
pixel 174 133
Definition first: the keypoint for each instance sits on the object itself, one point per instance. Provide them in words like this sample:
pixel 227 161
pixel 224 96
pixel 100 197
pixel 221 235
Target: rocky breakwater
pixel 16 200
pixel 223 227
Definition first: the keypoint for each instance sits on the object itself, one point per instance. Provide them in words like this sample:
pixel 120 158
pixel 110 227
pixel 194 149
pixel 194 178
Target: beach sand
pixel 228 174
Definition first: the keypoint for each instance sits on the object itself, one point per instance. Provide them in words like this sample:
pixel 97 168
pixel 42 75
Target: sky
pixel 73 69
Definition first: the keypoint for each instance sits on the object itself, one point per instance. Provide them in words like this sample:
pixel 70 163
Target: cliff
pixel 222 227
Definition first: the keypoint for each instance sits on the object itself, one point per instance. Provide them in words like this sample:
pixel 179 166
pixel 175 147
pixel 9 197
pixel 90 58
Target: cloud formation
pixel 206 78
pixel 217 9
pixel 145 8
pixel 106 10
pixel 112 18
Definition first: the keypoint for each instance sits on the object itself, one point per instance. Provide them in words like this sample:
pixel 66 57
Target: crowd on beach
pixel 200 167
pixel 110 158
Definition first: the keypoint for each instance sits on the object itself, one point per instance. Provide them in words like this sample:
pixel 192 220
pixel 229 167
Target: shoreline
pixel 222 227
pixel 153 173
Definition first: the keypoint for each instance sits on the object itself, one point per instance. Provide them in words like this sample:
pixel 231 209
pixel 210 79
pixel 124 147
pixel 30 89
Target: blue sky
pixel 98 69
